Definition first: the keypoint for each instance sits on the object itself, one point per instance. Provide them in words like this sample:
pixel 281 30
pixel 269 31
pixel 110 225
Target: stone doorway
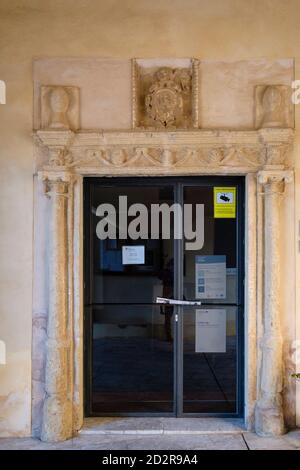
pixel 165 140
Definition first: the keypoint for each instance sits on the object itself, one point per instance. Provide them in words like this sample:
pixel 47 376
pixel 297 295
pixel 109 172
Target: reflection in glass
pixel 116 282
pixel 132 359
pixel 139 357
pixel 219 240
pixel 209 378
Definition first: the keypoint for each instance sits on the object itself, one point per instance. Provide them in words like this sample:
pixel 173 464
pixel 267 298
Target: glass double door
pixel 163 296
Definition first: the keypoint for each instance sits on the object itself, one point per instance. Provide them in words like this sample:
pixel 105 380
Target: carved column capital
pixel 56 187
pixel 267 177
pixel 58 144
pixel 56 182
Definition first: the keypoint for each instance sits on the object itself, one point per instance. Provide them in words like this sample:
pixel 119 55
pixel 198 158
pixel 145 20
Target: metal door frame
pixel 178 184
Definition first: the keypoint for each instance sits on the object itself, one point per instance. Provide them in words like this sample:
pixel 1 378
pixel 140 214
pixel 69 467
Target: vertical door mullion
pixel 241 286
pixel 178 294
pixel 238 295
pixel 88 295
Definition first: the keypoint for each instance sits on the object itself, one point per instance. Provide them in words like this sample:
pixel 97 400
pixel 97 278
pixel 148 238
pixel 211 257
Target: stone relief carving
pixel 167 157
pixel 273 106
pixel 164 100
pixel 165 97
pixel 59 157
pixel 57 143
pixel 248 150
pixel 239 156
pixel 59 107
pixel 276 155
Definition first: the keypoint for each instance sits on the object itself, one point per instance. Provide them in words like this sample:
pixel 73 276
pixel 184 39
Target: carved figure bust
pixel 59 104
pixel 272 104
pixel 60 107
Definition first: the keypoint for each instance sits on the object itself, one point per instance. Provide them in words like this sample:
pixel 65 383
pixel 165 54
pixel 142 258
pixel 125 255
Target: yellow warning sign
pixel 225 202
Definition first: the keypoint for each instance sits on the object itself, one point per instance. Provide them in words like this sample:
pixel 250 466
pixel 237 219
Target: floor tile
pixel 256 442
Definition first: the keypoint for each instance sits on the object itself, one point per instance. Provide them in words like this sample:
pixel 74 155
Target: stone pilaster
pixel 57 411
pixel 269 418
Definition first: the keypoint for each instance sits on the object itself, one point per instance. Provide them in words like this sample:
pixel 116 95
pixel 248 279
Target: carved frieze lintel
pixel 171 157
pixel 198 137
pixel 119 150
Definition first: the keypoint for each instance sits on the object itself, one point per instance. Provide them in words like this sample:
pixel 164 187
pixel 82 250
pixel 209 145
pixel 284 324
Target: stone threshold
pixel 162 426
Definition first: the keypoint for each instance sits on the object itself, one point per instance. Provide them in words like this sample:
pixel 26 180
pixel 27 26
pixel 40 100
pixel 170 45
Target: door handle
pixel 164 300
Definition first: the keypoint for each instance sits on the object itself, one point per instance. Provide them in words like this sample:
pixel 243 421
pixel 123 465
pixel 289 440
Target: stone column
pixel 57 411
pixel 269 413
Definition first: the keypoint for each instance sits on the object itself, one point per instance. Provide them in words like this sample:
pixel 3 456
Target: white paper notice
pixel 210 334
pixel 133 254
pixel 210 282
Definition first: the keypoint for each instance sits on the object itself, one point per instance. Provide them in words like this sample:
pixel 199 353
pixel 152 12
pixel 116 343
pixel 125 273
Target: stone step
pixel 163 426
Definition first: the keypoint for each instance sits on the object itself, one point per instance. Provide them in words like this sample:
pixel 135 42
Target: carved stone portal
pixel 125 153
pixel 165 97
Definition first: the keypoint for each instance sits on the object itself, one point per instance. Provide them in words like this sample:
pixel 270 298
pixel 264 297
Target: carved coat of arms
pixel 166 97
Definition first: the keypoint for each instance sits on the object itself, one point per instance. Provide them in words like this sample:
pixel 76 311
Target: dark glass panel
pixel 210 360
pixel 116 282
pixel 132 359
pixel 219 240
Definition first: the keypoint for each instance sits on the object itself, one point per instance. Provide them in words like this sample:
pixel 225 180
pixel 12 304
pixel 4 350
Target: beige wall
pixel 207 29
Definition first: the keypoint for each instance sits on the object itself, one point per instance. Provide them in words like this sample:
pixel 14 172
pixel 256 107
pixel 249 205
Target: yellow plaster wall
pixel 208 29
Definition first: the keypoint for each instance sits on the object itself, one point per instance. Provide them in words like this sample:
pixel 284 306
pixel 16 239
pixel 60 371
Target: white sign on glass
pixel 210 335
pixel 210 277
pixel 133 254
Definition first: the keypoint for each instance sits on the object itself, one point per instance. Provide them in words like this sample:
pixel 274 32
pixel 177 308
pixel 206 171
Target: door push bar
pixel 164 300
